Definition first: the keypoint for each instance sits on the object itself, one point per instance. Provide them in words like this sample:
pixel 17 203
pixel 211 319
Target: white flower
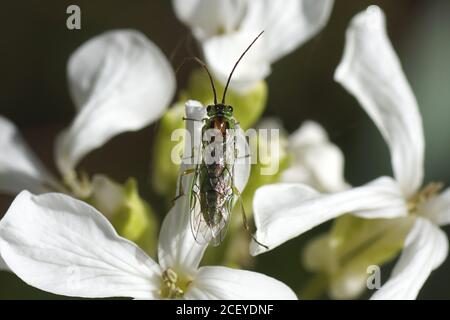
pixel 371 71
pixel 62 245
pixel 316 161
pixel 312 159
pixel 226 28
pixel 119 81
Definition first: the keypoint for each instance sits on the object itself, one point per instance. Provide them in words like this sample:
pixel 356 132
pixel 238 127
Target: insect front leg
pixel 185 173
pixel 196 120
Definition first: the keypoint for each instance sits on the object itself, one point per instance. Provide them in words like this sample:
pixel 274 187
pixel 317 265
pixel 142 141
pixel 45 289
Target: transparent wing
pixel 220 230
pixel 214 230
pixel 200 229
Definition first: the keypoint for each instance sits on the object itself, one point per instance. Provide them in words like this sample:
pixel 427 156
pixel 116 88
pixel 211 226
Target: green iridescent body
pixel 213 184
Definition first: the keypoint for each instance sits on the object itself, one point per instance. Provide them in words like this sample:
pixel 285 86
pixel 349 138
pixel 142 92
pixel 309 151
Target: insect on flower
pixel 212 192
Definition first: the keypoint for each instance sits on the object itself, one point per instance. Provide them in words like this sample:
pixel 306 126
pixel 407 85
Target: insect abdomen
pixel 215 192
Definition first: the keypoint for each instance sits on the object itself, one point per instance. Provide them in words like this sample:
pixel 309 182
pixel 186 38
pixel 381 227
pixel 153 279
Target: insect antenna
pixel 203 65
pixel 185 42
pixel 236 64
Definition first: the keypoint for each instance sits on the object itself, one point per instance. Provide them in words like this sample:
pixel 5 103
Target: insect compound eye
pixel 208 108
pixel 230 108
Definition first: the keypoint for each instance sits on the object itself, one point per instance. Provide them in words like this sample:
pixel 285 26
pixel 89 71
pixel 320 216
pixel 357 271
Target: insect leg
pixel 191 119
pixel 244 217
pixel 238 194
pixel 246 156
pixel 180 185
pixel 185 173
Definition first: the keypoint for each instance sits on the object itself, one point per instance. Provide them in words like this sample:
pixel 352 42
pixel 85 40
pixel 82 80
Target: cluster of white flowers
pixel 371 71
pixel 120 81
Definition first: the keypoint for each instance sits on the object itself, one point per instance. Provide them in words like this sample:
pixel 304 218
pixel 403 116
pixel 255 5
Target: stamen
pixel 429 191
pixel 172 286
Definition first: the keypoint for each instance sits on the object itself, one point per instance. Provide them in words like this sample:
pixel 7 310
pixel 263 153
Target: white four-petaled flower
pixel 225 28
pixel 371 71
pixel 62 245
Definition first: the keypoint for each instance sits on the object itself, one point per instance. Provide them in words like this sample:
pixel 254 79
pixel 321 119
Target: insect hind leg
pixel 244 218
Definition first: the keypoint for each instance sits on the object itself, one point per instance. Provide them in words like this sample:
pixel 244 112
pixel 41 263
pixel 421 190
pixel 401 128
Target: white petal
pixel 371 71
pixel 426 247
pixel 287 23
pixel 20 169
pixel 209 17
pixel 231 284
pixel 284 211
pixel 437 209
pixel 321 167
pixel 242 164
pixel 316 161
pixel 177 247
pixel 222 52
pixel 120 82
pixel 310 133
pixel 62 245
pixel 270 123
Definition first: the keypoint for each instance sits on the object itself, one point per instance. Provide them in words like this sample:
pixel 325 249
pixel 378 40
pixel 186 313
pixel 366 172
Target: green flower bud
pixel 353 244
pixel 130 215
pixel 165 171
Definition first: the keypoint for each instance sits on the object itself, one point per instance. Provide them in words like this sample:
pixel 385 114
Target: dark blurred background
pixel 35 46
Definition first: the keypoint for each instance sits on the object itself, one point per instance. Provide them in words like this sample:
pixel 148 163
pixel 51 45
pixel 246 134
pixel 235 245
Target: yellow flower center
pixel 173 286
